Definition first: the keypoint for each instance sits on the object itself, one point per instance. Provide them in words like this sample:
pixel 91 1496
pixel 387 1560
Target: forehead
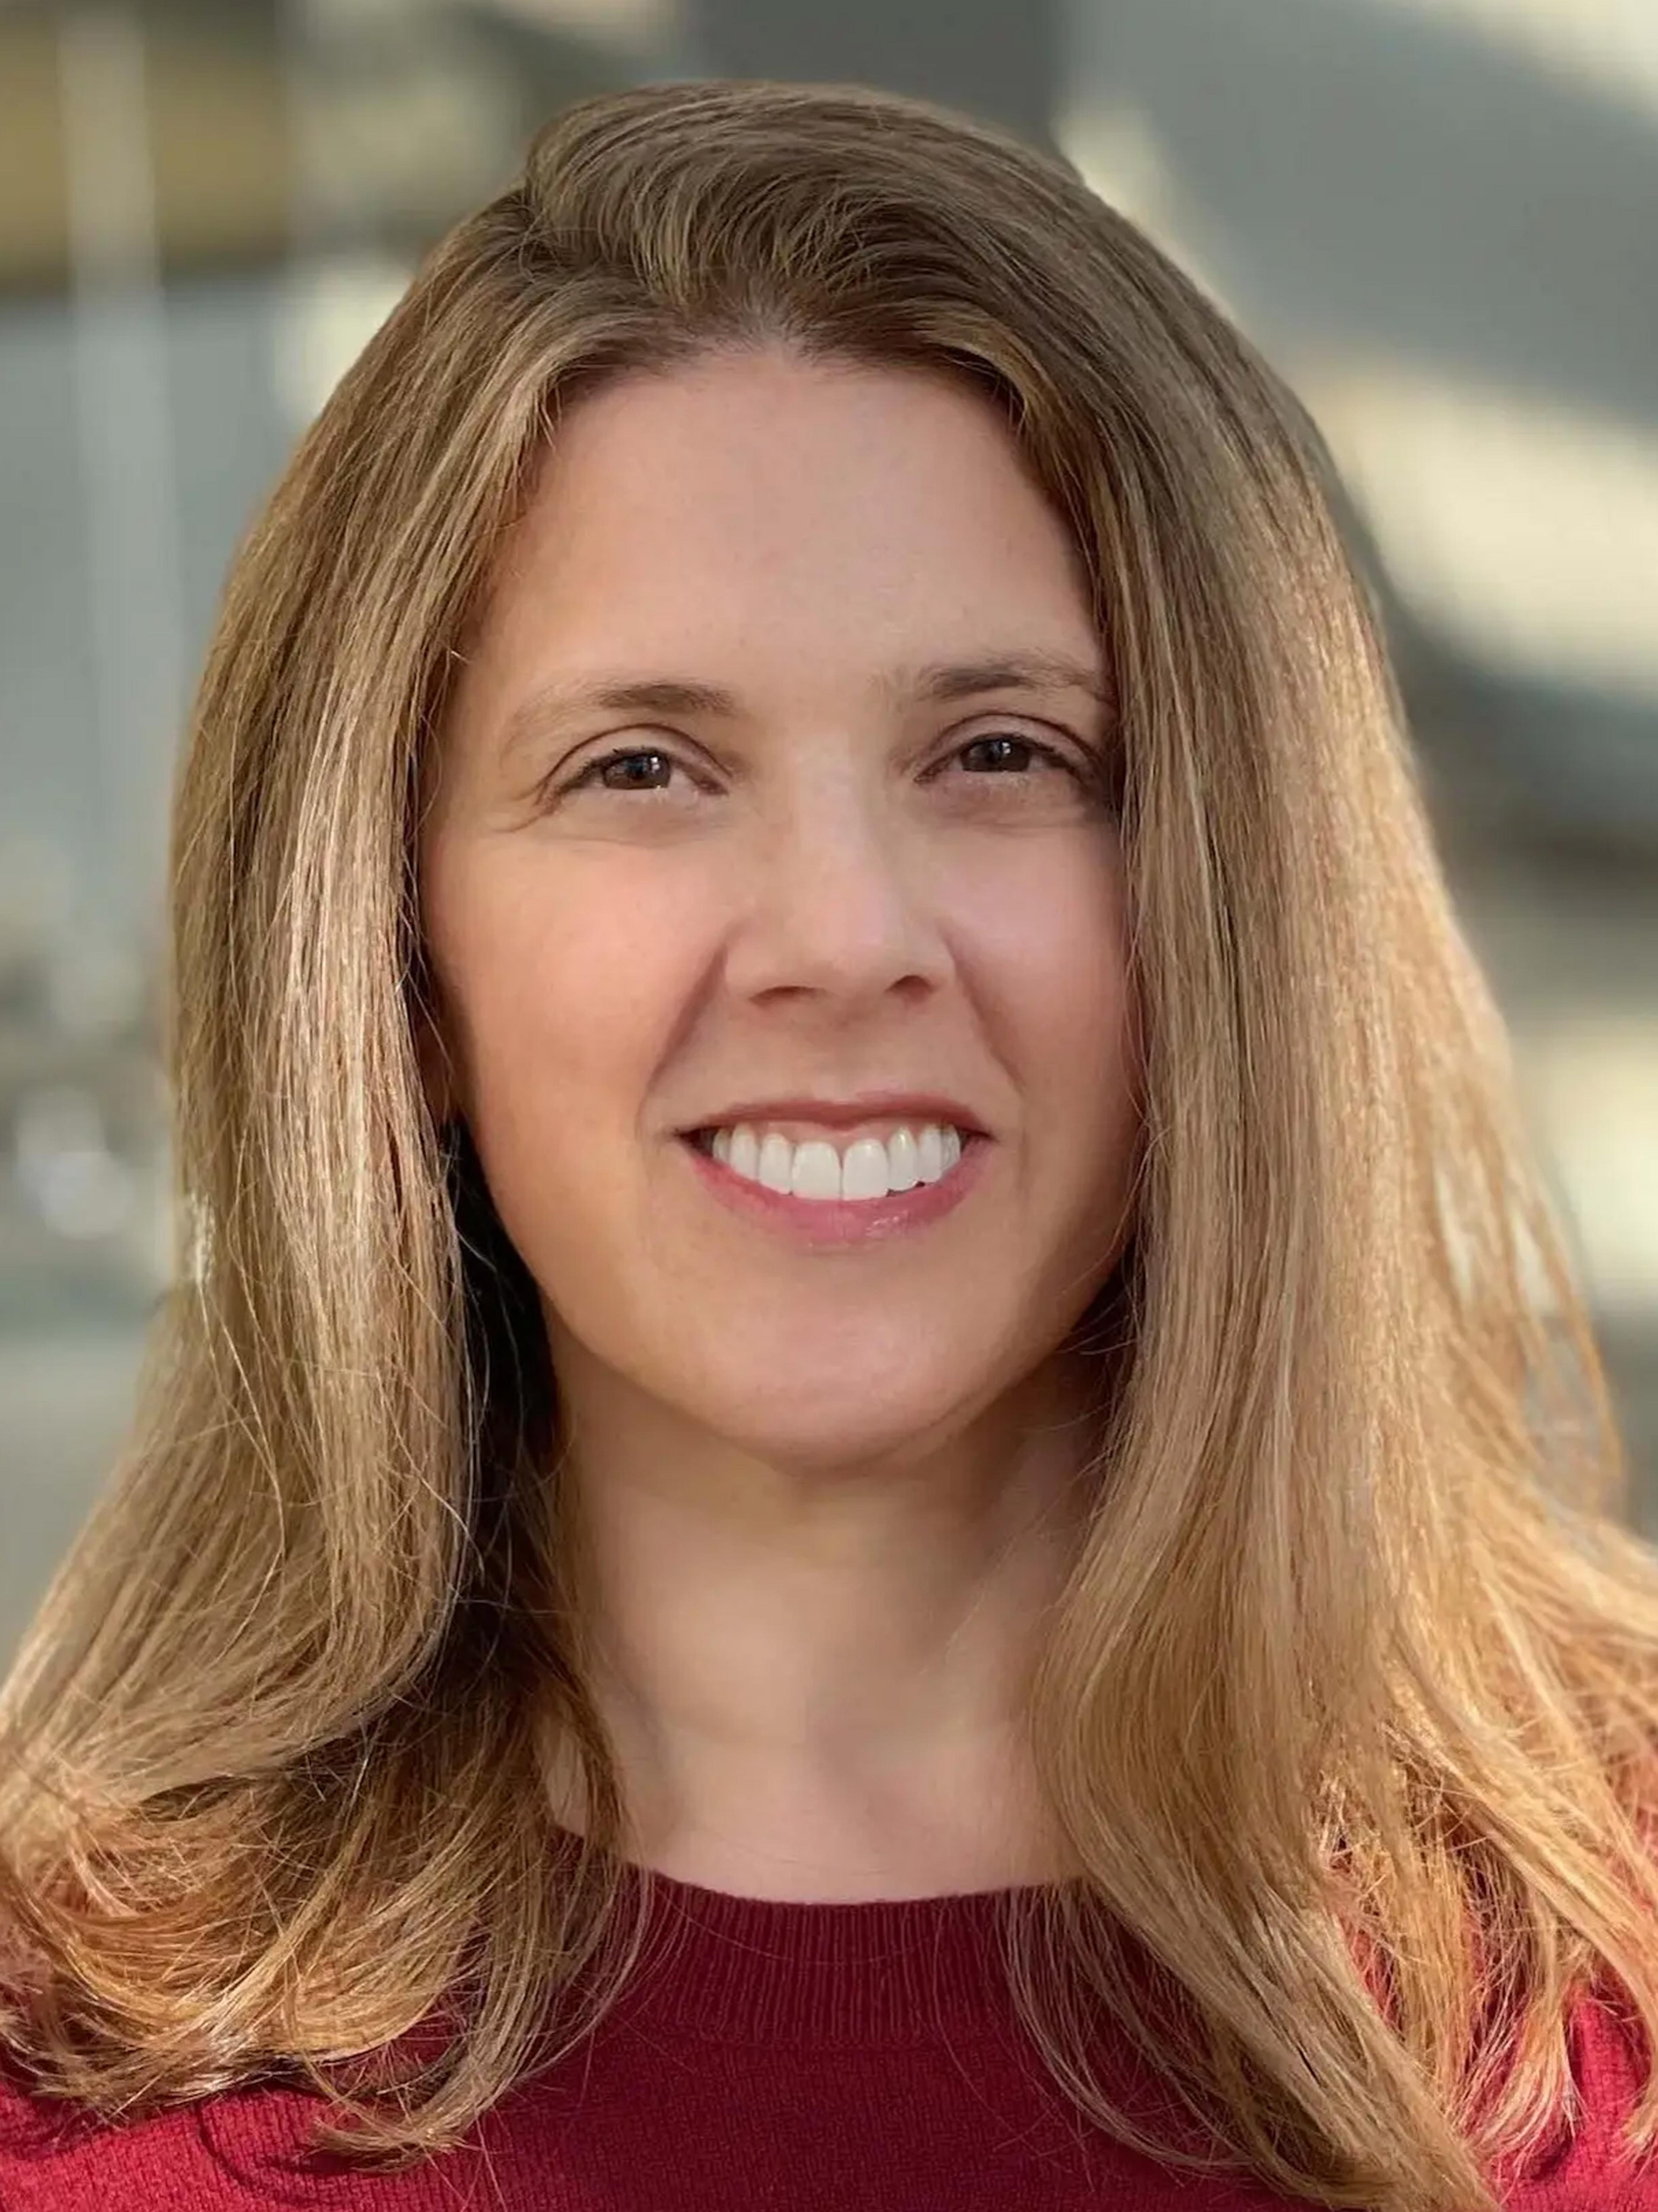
pixel 773 526
pixel 779 471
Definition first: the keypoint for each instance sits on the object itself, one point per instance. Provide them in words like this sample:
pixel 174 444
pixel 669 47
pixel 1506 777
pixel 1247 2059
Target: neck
pixel 815 1684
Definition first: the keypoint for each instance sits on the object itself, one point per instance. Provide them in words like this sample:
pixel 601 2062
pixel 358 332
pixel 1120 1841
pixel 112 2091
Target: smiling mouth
pixel 863 1167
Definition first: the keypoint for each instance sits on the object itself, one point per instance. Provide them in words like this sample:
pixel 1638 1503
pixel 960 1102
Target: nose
pixel 840 903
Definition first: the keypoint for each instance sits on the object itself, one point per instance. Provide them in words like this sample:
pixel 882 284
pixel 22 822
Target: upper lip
pixel 843 1113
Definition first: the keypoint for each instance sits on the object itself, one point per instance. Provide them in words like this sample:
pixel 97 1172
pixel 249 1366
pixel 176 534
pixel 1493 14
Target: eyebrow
pixel 935 682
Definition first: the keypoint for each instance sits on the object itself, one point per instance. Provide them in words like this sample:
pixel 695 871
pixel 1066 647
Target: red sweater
pixel 783 2057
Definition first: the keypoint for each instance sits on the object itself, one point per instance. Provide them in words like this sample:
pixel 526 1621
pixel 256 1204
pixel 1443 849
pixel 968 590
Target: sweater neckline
pixel 729 1968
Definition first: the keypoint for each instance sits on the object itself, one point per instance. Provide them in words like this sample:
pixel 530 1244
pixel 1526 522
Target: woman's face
pixel 848 842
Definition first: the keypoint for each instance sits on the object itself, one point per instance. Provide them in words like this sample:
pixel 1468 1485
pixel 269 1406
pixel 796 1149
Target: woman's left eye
pixel 1021 744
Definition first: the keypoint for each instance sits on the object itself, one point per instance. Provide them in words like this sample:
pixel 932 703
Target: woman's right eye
pixel 596 775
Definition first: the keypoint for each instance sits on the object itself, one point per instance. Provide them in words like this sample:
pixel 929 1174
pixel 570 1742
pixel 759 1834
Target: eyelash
pixel 587 776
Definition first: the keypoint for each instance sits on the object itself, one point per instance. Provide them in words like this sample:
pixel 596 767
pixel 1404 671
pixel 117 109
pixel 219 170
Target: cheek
pixel 1059 946
pixel 561 1008
pixel 1084 1030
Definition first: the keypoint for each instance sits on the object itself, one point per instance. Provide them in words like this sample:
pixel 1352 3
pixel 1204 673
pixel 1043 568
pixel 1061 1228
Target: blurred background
pixel 1438 217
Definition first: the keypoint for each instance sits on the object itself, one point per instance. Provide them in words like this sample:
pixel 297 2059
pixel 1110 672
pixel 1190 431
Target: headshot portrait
pixel 874 1476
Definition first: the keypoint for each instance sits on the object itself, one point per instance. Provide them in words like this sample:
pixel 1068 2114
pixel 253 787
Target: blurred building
pixel 1435 215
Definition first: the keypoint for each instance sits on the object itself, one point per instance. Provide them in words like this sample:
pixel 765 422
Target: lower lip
pixel 836 1221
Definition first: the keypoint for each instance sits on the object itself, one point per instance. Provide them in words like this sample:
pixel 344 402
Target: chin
pixel 837 1423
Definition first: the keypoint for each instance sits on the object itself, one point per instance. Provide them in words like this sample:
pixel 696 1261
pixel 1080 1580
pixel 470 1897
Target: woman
pixel 876 1482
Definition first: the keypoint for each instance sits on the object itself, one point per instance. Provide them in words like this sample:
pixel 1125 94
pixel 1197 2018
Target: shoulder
pixel 236 2151
pixel 1591 2171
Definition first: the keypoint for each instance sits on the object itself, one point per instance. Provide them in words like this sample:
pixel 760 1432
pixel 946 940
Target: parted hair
pixel 1348 1712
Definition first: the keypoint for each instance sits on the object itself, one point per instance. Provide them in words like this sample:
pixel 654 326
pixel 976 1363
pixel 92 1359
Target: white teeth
pixel 902 1173
pixel 815 1172
pixel 869 1169
pixel 864 1170
pixel 744 1157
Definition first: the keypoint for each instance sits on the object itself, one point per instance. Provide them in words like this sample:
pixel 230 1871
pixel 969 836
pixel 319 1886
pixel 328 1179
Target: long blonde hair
pixel 1349 1712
